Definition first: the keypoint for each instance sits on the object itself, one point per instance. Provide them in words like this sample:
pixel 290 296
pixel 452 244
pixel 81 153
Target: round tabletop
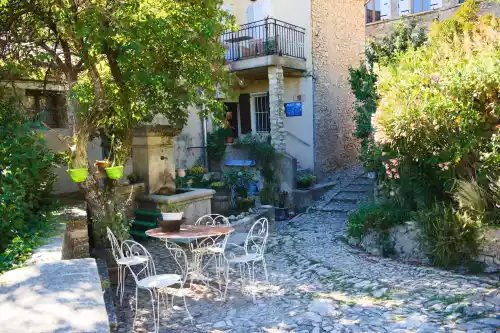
pixel 191 231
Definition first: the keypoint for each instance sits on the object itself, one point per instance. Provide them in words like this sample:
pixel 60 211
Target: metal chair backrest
pixel 213 220
pixel 131 248
pixel 115 245
pixel 180 258
pixel 257 237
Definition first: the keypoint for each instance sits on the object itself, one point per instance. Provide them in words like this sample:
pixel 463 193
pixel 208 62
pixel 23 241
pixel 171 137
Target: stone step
pixel 340 206
pixel 363 181
pixel 351 196
pixel 358 188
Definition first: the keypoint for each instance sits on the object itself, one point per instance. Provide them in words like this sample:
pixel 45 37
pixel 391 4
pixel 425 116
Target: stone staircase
pixel 346 196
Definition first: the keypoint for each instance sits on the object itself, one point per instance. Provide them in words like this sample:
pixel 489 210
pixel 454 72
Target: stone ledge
pixel 60 296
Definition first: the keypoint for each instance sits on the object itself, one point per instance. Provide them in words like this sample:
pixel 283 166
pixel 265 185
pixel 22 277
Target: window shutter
pixel 435 4
pixel 403 7
pixel 385 10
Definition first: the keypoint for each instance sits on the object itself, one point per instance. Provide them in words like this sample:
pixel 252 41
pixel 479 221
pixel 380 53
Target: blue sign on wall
pixel 293 109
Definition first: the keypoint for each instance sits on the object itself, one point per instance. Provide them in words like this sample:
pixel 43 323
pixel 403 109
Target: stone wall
pixel 380 29
pixel 490 250
pixel 75 241
pixel 338 35
pixel 405 243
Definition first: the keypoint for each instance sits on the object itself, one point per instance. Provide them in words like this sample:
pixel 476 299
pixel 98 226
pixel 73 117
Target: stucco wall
pixel 299 130
pixel 338 29
pixel 380 29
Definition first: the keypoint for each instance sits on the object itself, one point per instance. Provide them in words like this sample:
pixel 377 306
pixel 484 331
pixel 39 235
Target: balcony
pixel 265 43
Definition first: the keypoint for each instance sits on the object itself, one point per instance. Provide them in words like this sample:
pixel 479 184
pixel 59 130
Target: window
pixel 47 107
pixel 421 6
pixel 373 11
pixel 261 111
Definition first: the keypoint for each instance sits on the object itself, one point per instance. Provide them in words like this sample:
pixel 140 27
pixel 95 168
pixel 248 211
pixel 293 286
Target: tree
pixel 124 62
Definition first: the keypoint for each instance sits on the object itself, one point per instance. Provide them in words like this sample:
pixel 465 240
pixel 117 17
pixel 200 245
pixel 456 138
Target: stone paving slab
pixel 59 296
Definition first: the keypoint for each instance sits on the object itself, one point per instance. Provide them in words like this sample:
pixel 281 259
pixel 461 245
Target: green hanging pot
pixel 78 175
pixel 115 172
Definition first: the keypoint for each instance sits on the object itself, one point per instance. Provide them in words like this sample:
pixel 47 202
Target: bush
pixel 451 237
pixel 26 184
pixel 375 217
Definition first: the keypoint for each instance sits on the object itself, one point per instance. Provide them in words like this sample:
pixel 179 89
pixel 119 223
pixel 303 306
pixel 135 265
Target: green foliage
pixel 175 207
pixel 471 198
pixel 236 178
pixel 363 82
pixel 267 159
pixel 26 183
pixel 451 237
pixel 125 62
pixel 375 217
pixel 306 181
pixel 216 145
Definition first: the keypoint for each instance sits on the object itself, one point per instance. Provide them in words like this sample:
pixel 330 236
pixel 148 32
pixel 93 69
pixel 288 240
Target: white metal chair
pixel 251 253
pixel 211 247
pixel 146 278
pixel 122 262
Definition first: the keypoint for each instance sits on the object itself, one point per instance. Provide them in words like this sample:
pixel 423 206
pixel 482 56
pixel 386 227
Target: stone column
pixel 153 157
pixel 277 107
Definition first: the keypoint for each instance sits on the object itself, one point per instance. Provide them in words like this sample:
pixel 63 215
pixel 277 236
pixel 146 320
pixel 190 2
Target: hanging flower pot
pixel 115 172
pixel 78 175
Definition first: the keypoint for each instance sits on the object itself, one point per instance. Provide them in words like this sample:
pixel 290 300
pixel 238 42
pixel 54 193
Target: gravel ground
pixel 318 283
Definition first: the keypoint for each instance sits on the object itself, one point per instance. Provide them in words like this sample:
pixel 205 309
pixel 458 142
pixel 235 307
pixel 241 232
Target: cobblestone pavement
pixel 318 283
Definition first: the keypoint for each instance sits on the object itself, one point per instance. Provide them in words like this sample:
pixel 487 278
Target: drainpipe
pixel 205 139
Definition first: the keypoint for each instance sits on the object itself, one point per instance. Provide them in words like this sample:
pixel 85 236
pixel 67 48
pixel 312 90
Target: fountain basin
pixel 198 202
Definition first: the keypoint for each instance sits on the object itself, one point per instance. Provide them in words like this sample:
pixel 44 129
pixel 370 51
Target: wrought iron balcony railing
pixel 262 38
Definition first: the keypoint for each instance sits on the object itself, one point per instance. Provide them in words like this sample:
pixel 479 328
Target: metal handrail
pixel 265 37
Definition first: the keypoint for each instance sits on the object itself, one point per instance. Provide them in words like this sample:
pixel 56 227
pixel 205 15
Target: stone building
pixel 382 14
pixel 291 58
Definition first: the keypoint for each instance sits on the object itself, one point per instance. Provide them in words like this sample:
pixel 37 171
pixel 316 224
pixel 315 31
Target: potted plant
pixel 114 172
pixel 77 175
pixel 306 181
pixel 219 187
pixel 181 173
pixel 172 211
pixel 172 216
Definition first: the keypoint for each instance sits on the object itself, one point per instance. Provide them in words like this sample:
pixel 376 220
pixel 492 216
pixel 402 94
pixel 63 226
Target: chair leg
pixel 265 269
pixel 136 301
pixel 227 280
pixel 155 317
pixel 118 287
pixel 122 282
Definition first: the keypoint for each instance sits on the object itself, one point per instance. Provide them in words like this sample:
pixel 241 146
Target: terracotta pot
pixel 230 139
pixel 171 225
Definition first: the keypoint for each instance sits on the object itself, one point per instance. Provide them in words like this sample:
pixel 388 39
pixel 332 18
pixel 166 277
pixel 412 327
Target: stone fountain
pixel 153 158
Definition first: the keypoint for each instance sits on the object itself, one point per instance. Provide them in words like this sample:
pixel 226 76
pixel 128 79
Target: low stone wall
pixel 243 222
pixel 404 241
pixel 75 241
pixel 490 250
pixel 303 198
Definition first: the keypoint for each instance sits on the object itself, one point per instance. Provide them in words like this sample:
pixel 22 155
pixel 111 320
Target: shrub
pixel 26 184
pixel 438 103
pixel 451 237
pixel 375 217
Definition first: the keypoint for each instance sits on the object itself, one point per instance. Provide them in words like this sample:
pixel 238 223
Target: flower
pixel 392 193
pixel 396 176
